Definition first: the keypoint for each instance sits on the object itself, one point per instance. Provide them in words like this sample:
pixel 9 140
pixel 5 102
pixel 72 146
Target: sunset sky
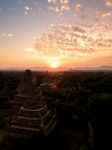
pixel 55 33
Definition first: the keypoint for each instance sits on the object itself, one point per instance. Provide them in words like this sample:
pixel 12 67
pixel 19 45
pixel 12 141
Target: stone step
pixel 23 130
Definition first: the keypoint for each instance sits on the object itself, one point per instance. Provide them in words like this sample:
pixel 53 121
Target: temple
pixel 34 115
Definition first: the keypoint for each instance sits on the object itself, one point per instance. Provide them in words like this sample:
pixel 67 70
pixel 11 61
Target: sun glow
pixel 54 64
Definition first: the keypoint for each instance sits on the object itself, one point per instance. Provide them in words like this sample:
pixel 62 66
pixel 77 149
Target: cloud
pixel 109 3
pixel 79 7
pixel 59 6
pixel 27 9
pixel 33 8
pixel 69 40
pixel 9 35
pixel 58 1
pixel 101 13
pixel 30 49
pixel 52 1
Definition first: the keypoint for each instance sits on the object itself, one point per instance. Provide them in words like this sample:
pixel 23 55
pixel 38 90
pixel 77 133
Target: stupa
pixel 34 117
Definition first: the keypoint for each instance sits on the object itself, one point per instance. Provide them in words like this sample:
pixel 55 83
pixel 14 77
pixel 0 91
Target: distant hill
pixel 106 67
pixel 100 68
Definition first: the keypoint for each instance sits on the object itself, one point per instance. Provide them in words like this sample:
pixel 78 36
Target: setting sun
pixel 54 65
pixel 52 62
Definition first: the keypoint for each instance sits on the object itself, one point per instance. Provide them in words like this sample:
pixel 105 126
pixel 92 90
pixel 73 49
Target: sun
pixel 52 62
pixel 54 65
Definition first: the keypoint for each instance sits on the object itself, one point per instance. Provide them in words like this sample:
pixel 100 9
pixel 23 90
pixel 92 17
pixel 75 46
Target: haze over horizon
pixel 55 33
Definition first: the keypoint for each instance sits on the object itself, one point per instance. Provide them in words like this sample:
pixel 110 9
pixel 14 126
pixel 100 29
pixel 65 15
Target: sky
pixel 55 33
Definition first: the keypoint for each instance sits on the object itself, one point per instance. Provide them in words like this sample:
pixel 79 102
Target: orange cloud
pixel 79 7
pixel 103 14
pixel 109 3
pixel 70 40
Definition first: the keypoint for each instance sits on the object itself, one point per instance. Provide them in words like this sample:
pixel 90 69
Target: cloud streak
pixel 9 35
